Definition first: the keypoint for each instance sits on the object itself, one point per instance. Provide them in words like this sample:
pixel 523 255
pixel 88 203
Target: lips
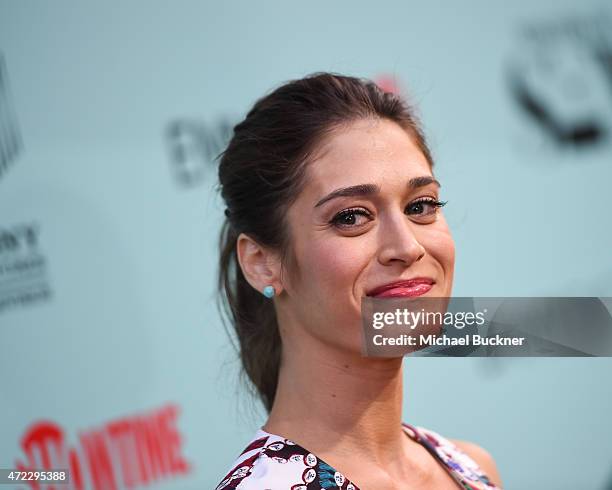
pixel 400 289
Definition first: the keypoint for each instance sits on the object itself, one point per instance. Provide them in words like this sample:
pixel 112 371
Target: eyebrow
pixel 372 189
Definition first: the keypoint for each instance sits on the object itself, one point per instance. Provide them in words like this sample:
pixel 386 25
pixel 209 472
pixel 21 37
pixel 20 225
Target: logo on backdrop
pixel 560 78
pixel 193 146
pixel 129 452
pixel 23 267
pixel 10 138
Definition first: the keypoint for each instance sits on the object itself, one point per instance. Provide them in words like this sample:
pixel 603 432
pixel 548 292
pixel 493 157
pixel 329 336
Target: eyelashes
pixel 428 201
pixel 421 208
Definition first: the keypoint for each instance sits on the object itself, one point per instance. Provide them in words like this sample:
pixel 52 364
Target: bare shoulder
pixel 482 457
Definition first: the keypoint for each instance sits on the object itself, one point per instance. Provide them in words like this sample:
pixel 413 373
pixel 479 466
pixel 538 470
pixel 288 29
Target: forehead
pixel 366 152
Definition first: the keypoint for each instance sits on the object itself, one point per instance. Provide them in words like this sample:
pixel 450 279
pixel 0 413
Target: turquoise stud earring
pixel 269 291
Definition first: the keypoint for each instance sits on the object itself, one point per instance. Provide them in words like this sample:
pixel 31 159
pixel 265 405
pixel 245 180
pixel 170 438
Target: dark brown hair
pixel 261 172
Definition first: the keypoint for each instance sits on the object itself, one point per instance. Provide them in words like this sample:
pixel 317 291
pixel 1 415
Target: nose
pixel 399 242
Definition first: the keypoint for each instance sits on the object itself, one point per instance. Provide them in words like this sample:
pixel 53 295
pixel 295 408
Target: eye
pixel 350 218
pixel 424 207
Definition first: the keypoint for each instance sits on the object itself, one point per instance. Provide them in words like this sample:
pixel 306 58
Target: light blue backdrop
pixel 130 247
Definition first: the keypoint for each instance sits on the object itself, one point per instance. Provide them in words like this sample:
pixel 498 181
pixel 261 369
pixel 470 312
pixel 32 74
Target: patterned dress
pixel 271 462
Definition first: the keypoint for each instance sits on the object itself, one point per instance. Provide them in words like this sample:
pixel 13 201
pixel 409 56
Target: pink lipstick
pixel 401 289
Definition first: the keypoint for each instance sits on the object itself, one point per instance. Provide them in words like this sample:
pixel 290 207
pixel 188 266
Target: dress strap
pixel 463 469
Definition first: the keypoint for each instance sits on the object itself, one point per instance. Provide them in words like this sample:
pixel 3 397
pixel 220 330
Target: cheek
pixel 332 266
pixel 440 245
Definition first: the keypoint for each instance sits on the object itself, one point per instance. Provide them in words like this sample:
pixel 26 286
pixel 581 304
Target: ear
pixel 260 266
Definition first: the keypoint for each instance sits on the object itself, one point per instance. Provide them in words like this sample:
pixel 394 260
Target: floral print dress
pixel 271 462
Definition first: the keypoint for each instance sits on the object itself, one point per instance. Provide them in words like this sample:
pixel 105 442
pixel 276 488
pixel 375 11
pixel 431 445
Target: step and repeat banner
pixel 114 362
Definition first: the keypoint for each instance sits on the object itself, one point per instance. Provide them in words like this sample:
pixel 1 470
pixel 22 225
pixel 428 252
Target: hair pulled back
pixel 261 173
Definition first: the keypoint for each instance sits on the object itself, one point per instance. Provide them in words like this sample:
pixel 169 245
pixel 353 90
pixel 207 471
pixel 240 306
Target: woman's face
pixel 345 246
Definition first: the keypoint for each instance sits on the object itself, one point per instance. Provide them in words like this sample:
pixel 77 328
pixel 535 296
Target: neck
pixel 330 399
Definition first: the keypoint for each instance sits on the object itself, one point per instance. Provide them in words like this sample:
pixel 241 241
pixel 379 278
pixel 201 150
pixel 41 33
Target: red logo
pixel 388 83
pixel 129 452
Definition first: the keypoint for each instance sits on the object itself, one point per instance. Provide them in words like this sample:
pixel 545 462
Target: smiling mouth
pixel 403 292
pixel 403 289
